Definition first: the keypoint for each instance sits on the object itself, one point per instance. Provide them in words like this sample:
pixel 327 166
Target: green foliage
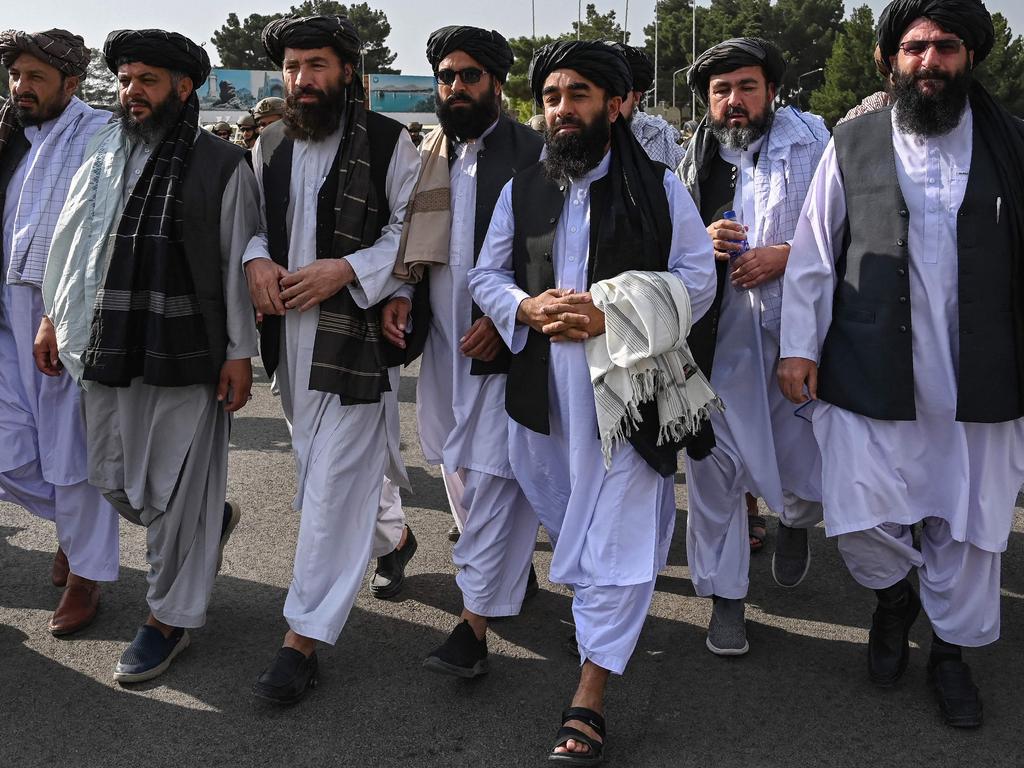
pixel 238 41
pixel 596 26
pixel 99 86
pixel 1002 73
pixel 850 72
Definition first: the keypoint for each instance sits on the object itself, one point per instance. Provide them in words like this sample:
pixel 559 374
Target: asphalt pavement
pixel 801 697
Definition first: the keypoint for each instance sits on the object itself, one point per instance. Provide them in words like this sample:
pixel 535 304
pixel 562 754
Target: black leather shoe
pixel 288 678
pixel 454 533
pixel 462 655
pixel 888 641
pixel 387 580
pixel 959 701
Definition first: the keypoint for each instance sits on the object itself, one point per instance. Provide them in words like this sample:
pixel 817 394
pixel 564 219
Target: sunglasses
pixel 942 47
pixel 469 75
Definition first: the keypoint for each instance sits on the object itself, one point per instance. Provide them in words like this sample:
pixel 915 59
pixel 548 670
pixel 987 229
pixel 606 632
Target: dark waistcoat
pixel 537 204
pixel 276 148
pixel 211 164
pixel 867 359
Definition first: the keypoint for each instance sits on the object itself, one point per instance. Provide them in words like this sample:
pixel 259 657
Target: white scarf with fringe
pixel 643 356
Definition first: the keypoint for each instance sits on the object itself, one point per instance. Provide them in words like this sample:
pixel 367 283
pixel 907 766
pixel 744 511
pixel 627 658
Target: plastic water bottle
pixel 744 245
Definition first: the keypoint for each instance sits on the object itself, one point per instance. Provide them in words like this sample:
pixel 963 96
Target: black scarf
pixel 147 320
pixel 348 358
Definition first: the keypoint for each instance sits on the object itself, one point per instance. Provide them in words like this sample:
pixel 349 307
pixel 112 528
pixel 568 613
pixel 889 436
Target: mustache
pixel 459 98
pixel 139 103
pixel 736 112
pixel 932 74
pixel 308 90
pixel 561 122
pixel 26 97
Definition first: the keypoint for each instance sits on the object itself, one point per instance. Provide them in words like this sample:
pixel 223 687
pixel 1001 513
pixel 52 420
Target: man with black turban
pixel 149 313
pixel 904 321
pixel 596 209
pixel 44 130
pixel 756 163
pixel 658 137
pixel 336 180
pixel 460 390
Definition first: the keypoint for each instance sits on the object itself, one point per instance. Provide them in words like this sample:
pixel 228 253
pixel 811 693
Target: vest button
pixel 547 257
pixel 551 221
pixel 903 299
pixel 903 329
pixel 903 212
pixel 901 242
pixel 901 271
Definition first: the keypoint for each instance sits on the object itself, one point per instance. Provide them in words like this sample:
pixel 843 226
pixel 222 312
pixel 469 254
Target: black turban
pixel 157 48
pixel 640 65
pixel 968 19
pixel 307 32
pixel 490 48
pixel 603 63
pixel 733 54
pixel 57 47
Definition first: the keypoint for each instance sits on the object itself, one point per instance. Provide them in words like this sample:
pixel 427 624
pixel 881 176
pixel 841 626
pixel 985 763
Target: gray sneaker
pixel 727 632
pixel 792 558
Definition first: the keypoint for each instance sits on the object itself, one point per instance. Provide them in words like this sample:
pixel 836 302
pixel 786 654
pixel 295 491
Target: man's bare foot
pixel 301 643
pixel 589 694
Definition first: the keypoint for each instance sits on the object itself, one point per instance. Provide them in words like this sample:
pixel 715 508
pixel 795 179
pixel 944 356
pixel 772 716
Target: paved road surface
pixel 800 698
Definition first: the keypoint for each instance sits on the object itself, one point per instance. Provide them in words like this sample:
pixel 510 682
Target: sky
pixel 411 20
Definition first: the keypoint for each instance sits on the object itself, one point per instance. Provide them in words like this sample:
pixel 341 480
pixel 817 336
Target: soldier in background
pixel 267 111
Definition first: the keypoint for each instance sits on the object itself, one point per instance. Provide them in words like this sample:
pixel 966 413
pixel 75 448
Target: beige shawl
pixel 428 221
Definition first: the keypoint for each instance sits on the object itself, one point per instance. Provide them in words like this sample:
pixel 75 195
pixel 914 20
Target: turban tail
pixel 968 19
pixel 157 48
pixel 733 54
pixel 640 65
pixel 56 47
pixel 306 32
pixel 602 63
pixel 488 47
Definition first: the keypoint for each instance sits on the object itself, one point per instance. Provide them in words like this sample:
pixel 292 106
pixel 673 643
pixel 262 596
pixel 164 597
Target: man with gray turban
pixel 658 137
pixel 149 313
pixel 757 163
pixel 460 391
pixel 44 130
pixel 596 207
pixel 336 180
pixel 903 323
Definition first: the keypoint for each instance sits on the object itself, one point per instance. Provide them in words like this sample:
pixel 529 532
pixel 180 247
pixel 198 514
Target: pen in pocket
pixel 999 204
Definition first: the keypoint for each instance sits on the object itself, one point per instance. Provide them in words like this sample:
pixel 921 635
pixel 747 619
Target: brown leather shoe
pixel 77 608
pixel 61 569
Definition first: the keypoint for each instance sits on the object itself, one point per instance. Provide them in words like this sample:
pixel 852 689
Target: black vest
pixel 537 204
pixel 383 134
pixel 867 358
pixel 211 164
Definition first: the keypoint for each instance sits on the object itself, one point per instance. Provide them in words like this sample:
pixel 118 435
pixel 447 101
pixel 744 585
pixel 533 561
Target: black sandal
pixel 593 754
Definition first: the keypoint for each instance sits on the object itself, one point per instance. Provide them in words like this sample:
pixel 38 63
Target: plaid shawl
pixel 147 320
pixel 347 355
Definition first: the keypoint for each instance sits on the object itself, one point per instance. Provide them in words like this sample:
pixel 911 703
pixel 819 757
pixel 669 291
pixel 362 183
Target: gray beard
pixel 743 136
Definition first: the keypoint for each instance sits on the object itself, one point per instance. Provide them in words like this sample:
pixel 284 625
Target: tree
pixel 99 86
pixel 596 26
pixel 1003 71
pixel 850 72
pixel 517 85
pixel 239 42
pixel 805 31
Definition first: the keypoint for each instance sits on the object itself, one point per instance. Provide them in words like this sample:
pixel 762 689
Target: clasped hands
pixel 563 314
pixel 274 290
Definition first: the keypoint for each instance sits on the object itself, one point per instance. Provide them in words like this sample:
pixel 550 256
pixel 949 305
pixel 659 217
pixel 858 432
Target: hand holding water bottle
pixel 728 237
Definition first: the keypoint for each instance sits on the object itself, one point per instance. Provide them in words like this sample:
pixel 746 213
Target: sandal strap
pixel 584 715
pixel 565 733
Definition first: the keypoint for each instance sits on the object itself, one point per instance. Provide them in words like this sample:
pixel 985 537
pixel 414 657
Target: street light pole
pixel 656 36
pixel 625 24
pixel 800 88
pixel 681 69
pixel 693 56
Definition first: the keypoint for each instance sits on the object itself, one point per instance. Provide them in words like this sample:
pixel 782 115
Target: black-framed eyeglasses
pixel 469 75
pixel 944 47
pixel 248 129
pixel 223 134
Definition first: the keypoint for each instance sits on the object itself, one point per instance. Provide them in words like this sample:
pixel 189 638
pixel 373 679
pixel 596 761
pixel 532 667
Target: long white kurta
pixel 160 453
pixel 43 458
pixel 341 452
pixel 961 478
pixel 611 527
pixel 761 446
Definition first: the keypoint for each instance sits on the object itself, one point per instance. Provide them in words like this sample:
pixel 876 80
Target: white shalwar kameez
pixel 341 451
pixel 463 424
pixel 43 465
pixel 880 477
pixel 611 528
pixel 761 447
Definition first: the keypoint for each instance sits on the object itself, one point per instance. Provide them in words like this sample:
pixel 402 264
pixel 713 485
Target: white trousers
pixel 959 581
pixel 390 520
pixel 454 488
pixel 717 533
pixel 608 622
pixel 494 552
pixel 86 524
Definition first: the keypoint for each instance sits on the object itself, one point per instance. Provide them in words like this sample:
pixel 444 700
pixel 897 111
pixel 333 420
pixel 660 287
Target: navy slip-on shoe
pixel 289 677
pixel 150 654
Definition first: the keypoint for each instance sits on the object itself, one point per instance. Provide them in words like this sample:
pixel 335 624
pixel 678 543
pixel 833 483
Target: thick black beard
pixel 163 117
pixel 314 122
pixel 25 118
pixel 936 114
pixel 741 136
pixel 570 156
pixel 468 122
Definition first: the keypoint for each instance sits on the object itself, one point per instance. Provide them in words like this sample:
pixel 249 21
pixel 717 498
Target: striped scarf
pixel 348 358
pixel 147 320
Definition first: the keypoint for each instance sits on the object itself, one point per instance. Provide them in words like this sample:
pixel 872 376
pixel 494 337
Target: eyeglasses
pixel 469 75
pixel 223 134
pixel 944 47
